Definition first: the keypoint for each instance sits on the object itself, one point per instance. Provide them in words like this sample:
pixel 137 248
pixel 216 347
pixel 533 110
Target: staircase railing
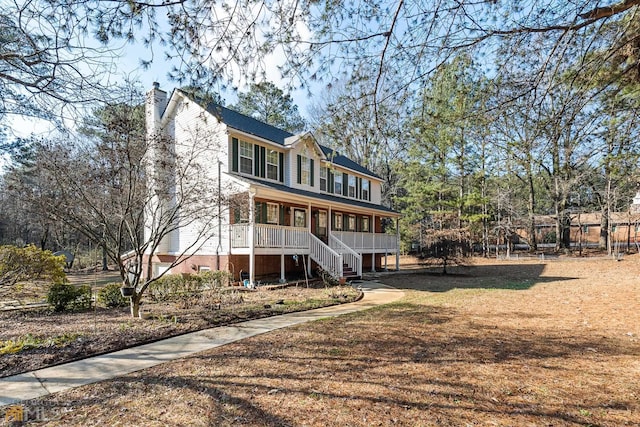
pixel 350 257
pixel 327 258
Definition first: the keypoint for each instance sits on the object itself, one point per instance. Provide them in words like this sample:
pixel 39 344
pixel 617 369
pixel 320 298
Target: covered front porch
pixel 338 236
pixel 271 239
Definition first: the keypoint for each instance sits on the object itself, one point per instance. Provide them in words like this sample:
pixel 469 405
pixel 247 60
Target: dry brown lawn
pixel 495 344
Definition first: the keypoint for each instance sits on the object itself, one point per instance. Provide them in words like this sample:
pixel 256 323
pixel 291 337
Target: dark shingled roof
pixel 346 162
pixel 263 130
pixel 321 196
pixel 248 124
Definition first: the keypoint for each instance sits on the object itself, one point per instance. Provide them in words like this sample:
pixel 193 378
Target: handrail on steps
pixel 327 258
pixel 352 256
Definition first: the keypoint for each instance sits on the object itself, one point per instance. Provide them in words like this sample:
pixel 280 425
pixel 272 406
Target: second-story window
pixel 365 189
pixel 272 164
pixel 246 157
pixel 305 177
pixel 323 178
pixel 352 186
pixel 337 184
pixel 305 170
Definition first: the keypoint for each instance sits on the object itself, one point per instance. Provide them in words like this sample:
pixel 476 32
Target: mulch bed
pixel 82 334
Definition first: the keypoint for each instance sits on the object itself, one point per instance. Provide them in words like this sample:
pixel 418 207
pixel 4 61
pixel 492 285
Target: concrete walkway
pixel 45 381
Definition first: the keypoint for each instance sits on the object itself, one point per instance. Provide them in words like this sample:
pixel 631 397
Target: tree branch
pixel 607 11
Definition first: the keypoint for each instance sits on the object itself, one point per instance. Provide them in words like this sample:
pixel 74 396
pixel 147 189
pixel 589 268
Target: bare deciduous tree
pixel 129 193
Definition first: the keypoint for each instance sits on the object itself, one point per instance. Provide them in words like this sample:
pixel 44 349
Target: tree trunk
pixel 604 229
pixel 533 240
pixel 105 264
pixel 135 304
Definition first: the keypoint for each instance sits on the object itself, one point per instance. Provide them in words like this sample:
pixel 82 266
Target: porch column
pixel 373 250
pixel 329 223
pixel 397 244
pixel 282 238
pixel 309 219
pixel 251 238
pixel 282 278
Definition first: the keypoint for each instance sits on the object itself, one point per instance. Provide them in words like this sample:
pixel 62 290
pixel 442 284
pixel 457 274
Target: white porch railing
pixel 349 256
pixel 270 236
pixel 368 242
pixel 327 258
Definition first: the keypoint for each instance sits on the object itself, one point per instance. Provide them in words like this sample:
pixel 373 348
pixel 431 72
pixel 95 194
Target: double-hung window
pixel 365 189
pixel 337 222
pixel 351 224
pixel 365 224
pixel 299 218
pixel 246 157
pixel 273 158
pixel 272 213
pixel 337 184
pixel 323 178
pixel 352 186
pixel 305 171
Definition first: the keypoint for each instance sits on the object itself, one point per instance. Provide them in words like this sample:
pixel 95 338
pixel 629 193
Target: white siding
pixel 308 150
pixel 376 192
pixel 201 143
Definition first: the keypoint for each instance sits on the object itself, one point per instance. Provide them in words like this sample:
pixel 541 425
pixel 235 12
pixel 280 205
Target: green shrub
pixel 110 296
pixel 179 286
pixel 83 298
pixel 214 279
pixel 65 296
pixel 166 287
pixel 29 263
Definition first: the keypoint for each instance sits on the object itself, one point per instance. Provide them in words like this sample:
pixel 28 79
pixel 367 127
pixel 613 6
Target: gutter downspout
pixel 219 248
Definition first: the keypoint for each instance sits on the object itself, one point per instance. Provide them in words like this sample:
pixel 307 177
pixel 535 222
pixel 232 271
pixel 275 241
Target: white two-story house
pixel 298 205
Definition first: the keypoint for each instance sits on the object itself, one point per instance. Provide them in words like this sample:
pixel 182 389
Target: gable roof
pixel 252 126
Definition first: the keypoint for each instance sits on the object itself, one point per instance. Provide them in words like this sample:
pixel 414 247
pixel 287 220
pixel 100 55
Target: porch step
pixel 349 274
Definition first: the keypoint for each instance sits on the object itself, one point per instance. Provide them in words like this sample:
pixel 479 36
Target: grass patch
pixel 29 342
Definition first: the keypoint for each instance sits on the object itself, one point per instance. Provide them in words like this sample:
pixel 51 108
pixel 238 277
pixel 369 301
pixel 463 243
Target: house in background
pixel 586 228
pixel 298 205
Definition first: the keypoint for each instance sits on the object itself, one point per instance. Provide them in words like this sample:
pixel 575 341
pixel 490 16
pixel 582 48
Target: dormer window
pixel 305 173
pixel 305 170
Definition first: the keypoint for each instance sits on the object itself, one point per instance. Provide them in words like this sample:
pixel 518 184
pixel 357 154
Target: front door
pixel 320 225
